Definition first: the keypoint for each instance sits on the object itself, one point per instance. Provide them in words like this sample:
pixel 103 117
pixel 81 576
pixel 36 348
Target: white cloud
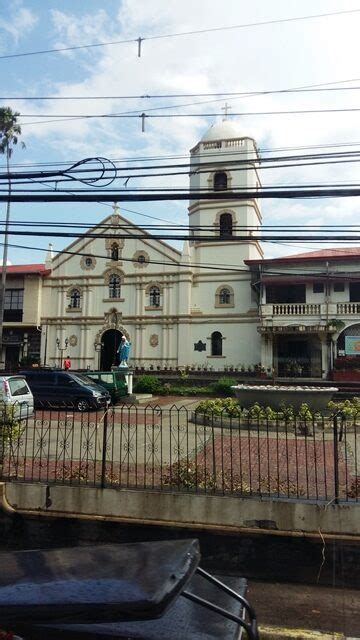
pixel 18 24
pixel 265 57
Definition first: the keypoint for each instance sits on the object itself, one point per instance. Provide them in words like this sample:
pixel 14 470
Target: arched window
pixel 216 343
pixel 75 299
pixel 154 297
pixel 114 286
pixel 224 296
pixel 220 181
pixel 114 251
pixel 225 224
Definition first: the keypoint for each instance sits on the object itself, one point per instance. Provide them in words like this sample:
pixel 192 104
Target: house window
pixel 220 181
pixel 224 296
pixel 225 224
pixel 318 287
pixel 216 343
pixel 339 286
pixel 354 291
pixel 13 305
pixel 278 294
pixel 114 286
pixel 114 251
pixel 75 299
pixel 154 297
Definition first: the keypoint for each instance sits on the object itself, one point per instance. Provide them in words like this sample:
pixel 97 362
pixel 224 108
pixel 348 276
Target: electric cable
pixel 179 34
pixel 204 265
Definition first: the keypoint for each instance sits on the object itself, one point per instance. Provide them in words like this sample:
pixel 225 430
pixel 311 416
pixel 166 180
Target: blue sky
pixel 275 56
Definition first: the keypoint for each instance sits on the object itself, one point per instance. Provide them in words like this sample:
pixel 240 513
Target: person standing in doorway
pixel 67 363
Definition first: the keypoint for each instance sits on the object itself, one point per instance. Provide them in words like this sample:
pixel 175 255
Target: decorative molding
pixel 135 259
pixel 113 271
pixel 77 287
pixel 154 284
pixel 85 259
pixel 220 213
pixel 224 305
pixel 154 340
pixel 73 341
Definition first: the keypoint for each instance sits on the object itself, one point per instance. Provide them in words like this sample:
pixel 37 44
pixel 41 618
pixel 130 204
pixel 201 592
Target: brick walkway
pixel 282 466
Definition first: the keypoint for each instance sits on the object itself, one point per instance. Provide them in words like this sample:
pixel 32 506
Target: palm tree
pixel 10 131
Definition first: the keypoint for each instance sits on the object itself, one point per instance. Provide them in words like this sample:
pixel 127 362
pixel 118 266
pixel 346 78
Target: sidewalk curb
pixel 268 632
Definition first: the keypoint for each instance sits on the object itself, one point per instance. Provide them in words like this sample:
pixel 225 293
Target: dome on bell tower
pixel 222 131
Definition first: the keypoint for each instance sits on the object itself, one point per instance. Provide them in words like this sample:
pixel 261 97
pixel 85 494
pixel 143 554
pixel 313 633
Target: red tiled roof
pixel 26 268
pixel 341 253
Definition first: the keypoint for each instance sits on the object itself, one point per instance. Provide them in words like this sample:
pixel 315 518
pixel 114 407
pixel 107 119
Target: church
pixel 194 307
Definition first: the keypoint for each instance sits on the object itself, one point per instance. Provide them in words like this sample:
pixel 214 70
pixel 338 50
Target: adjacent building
pixel 22 315
pixel 309 311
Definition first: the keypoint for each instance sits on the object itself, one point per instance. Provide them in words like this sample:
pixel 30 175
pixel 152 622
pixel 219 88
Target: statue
pixel 124 351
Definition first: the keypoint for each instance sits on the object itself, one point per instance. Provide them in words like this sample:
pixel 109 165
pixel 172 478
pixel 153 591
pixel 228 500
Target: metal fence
pixel 177 450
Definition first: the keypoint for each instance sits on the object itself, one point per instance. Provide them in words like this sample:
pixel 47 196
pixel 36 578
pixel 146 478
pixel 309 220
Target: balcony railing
pixel 348 308
pixel 295 309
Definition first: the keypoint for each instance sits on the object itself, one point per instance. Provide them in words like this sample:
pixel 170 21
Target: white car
pixel 16 399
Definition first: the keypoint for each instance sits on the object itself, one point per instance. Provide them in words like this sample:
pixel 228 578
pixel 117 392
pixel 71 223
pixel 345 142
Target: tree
pixel 10 131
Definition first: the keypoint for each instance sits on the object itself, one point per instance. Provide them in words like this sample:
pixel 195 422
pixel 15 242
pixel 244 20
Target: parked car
pixel 59 388
pixel 16 399
pixel 113 381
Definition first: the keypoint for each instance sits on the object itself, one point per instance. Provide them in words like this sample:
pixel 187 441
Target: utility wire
pixel 191 168
pixel 182 115
pixel 195 266
pixel 193 238
pixel 81 195
pixel 179 34
pixel 223 94
pixel 67 163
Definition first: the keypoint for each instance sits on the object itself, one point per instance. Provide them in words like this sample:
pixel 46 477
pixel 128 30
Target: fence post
pixel 336 460
pixel 104 442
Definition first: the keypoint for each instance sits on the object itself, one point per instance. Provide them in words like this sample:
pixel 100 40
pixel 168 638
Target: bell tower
pixel 224 160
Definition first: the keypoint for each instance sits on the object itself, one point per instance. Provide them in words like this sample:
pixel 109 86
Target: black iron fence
pixel 312 458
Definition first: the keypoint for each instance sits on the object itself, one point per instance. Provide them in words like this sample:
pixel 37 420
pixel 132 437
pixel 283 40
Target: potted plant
pixel 335 325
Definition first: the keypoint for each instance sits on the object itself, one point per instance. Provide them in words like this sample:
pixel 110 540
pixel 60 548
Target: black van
pixel 61 388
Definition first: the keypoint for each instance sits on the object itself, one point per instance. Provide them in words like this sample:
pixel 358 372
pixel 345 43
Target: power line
pixel 182 115
pixel 196 167
pixel 220 152
pixel 193 238
pixel 223 94
pixel 139 40
pixel 81 195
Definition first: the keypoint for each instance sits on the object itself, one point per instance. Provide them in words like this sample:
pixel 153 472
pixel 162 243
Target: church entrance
pixel 110 341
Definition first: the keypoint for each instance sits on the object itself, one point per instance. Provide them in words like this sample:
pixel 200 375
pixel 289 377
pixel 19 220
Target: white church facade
pixel 217 304
pixel 195 307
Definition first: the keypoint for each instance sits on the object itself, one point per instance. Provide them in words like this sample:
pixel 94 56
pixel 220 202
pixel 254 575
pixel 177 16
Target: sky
pixel 267 57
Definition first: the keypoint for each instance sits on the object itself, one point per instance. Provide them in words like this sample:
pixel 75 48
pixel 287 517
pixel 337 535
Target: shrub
pixel 223 386
pixel 148 384
pixel 228 406
pixel 183 390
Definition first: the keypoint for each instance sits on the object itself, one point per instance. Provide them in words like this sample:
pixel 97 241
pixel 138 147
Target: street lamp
pixel 62 349
pixel 98 346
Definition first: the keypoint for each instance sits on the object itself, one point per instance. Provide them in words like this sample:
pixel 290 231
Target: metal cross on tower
pixel 225 109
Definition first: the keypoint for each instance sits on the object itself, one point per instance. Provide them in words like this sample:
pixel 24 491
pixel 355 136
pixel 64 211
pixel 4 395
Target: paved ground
pixel 156 442
pixel 306 607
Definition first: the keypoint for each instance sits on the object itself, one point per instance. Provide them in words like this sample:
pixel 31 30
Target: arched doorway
pixel 110 341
